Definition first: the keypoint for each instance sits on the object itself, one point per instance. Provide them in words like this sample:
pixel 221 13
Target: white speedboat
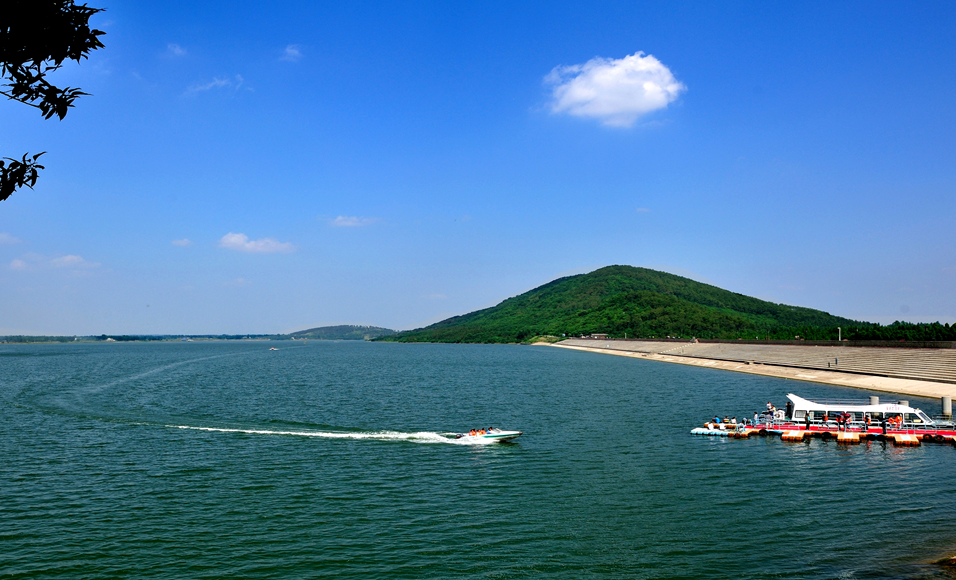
pixel 488 435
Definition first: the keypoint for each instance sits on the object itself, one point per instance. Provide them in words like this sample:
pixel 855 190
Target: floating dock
pixel 792 435
pixel 850 437
pixel 849 422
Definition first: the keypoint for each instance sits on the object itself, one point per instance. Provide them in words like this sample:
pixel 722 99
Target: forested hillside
pixel 342 332
pixel 643 303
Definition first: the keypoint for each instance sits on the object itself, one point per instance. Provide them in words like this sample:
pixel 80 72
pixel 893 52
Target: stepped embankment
pixel 923 372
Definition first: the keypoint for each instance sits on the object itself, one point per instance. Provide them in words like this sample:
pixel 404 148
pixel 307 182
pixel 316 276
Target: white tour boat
pixel 816 411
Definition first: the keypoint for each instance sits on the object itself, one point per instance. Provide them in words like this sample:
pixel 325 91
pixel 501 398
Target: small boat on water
pixel 273 348
pixel 489 435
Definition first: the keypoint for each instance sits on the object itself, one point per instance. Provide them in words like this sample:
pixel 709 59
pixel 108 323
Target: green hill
pixel 342 332
pixel 640 302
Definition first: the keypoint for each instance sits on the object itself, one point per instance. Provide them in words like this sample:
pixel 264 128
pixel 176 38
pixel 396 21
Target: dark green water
pixel 211 460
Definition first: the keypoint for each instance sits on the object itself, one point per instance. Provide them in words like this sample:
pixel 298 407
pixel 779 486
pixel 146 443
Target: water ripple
pixel 338 460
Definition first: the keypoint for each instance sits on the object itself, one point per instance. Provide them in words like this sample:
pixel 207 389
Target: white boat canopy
pixel 801 404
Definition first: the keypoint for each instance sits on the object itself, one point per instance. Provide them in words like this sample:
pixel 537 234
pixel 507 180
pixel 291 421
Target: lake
pixel 330 459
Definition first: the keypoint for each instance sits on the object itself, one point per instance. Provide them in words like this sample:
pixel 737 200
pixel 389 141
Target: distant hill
pixel 640 302
pixel 343 332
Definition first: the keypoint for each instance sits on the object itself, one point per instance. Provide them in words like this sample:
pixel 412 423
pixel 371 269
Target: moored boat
pixel 843 420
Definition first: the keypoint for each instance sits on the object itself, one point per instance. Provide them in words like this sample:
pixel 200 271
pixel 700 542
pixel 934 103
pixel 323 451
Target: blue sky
pixel 251 168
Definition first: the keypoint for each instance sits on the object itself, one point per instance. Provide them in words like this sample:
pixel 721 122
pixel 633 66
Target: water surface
pixel 329 459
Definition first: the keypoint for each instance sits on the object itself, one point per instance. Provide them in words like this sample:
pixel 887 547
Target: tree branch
pixel 11 97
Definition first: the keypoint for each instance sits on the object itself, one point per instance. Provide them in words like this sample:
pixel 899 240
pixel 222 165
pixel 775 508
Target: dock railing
pixel 940 424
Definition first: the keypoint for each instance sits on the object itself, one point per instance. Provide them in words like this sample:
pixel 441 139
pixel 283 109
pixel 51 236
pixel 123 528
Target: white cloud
pixel 237 283
pixel 67 261
pixel 183 243
pixel 34 262
pixel 292 53
pixel 175 50
pixel 615 91
pixel 643 210
pixel 242 243
pixel 8 239
pixel 71 261
pixel 352 221
pixel 217 83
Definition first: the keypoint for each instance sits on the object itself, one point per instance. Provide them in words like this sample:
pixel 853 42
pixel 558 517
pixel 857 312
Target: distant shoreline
pixel 339 332
pixel 88 340
pixel 145 340
pixel 856 380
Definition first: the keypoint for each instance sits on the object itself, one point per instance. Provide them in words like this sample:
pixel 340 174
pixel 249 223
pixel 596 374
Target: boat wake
pixel 419 437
